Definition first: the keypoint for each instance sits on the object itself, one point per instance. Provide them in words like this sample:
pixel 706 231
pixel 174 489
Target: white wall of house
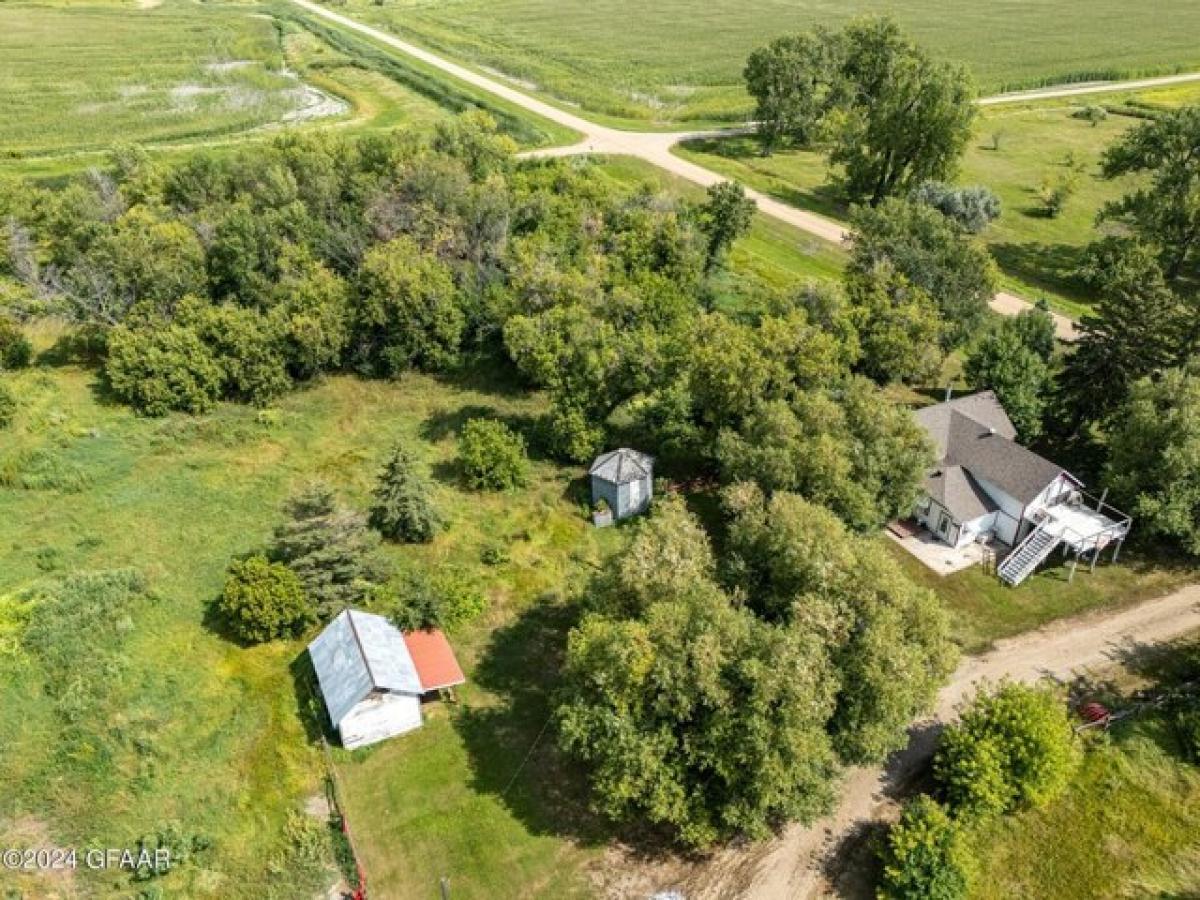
pixel 379 717
pixel 1006 525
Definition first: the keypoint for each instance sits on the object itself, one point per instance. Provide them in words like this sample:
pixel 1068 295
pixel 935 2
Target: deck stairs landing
pixel 1019 564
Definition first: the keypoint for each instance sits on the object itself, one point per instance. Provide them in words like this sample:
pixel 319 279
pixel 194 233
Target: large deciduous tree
pixel 410 312
pixel 847 447
pixel 1154 455
pixel 794 80
pixel 795 564
pixel 1002 361
pixel 934 254
pixel 909 117
pixel 892 116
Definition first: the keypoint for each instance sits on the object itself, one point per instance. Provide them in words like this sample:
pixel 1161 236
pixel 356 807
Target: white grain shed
pixel 624 479
pixel 370 683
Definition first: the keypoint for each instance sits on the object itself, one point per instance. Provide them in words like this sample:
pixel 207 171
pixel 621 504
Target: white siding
pixel 1006 525
pixel 380 717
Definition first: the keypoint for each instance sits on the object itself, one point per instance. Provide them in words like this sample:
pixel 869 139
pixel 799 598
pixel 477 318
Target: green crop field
pixel 1014 149
pixel 77 78
pixel 681 60
pixel 81 77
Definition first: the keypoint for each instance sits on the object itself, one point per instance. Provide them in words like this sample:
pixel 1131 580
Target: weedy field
pixel 679 60
pixel 1016 149
pixel 126 717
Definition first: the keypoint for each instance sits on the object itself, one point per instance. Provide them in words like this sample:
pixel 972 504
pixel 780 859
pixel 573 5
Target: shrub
pixel 1094 114
pixel 403 509
pixel 163 368
pixel 8 405
pixel 263 600
pixel 415 599
pixel 923 856
pixel 572 434
pixel 15 349
pixel 1054 192
pixel 1012 747
pixel 493 456
pixel 974 208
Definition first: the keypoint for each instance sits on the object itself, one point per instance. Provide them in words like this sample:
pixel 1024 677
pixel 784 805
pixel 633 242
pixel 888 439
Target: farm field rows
pixel 81 77
pixel 677 61
pixel 216 76
pixel 1015 147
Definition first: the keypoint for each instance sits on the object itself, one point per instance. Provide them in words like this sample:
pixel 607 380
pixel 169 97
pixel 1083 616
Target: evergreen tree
pixel 329 547
pixel 403 508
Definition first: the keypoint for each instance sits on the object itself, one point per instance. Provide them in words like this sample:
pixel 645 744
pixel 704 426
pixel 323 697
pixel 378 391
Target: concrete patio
pixel 942 558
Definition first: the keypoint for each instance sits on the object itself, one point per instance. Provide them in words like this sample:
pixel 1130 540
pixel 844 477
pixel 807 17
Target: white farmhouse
pixel 986 486
pixel 373 677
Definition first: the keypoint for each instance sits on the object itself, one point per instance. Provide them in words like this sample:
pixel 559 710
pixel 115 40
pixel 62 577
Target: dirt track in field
pixel 803 861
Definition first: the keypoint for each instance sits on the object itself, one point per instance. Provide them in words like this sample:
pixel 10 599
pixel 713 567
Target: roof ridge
pixel 362 651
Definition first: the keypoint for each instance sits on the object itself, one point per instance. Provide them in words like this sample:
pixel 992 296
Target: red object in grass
pixel 1094 712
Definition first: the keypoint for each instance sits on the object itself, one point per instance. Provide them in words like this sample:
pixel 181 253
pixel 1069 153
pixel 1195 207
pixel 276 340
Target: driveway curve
pixel 655 147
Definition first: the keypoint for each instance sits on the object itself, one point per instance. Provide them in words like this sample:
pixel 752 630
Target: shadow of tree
pixel 449 422
pixel 1047 266
pixel 512 745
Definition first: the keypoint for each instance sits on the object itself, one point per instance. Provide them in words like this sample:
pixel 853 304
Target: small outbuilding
pixel 624 479
pixel 373 677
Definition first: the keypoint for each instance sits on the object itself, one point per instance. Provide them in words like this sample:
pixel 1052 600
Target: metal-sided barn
pixel 373 677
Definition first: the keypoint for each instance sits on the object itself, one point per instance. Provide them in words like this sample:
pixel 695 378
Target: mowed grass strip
pixel 681 60
pixel 983 609
pixel 82 77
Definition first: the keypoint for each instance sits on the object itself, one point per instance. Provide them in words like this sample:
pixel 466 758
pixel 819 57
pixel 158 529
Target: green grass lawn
pixel 1037 254
pixel 680 60
pixel 984 610
pixel 1127 826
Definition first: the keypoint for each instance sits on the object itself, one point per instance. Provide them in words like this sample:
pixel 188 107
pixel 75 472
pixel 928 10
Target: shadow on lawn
pixel 512 745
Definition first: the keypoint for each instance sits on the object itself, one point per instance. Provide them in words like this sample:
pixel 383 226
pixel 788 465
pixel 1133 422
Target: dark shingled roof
pixel 983 408
pixel 622 466
pixel 955 489
pixel 975 434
